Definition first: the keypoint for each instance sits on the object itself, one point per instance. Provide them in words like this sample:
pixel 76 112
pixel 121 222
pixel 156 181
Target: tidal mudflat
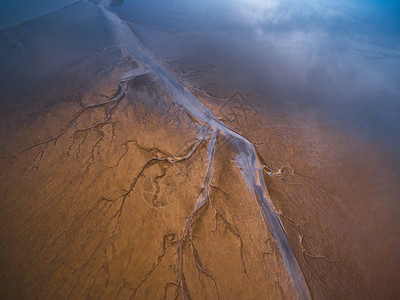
pixel 198 151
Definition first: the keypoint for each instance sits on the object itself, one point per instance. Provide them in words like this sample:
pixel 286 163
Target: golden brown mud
pixel 110 188
pixel 331 192
pixel 114 196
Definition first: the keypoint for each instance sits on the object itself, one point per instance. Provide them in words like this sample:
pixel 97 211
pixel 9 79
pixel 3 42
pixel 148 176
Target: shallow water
pixel 338 60
pixel 189 149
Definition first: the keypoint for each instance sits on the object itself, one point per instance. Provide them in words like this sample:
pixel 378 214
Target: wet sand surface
pixel 125 175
